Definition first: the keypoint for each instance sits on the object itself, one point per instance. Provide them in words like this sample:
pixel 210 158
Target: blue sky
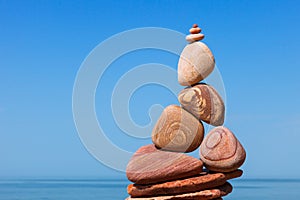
pixel 43 43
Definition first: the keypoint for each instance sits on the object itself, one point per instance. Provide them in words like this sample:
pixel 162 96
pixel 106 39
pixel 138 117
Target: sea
pixel 112 189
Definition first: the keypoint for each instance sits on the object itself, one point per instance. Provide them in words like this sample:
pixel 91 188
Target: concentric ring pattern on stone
pixel 221 151
pixel 204 102
pixel 177 130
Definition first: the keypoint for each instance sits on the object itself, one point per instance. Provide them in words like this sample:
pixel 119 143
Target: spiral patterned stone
pixel 195 64
pixel 221 151
pixel 204 102
pixel 150 165
pixel 177 130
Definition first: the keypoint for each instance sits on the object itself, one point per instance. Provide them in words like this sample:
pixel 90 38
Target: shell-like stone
pixel 177 130
pixel 204 102
pixel 195 64
pixel 150 165
pixel 221 151
pixel 194 37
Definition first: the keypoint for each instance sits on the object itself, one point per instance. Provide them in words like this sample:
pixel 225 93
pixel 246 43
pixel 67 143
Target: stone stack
pixel 162 170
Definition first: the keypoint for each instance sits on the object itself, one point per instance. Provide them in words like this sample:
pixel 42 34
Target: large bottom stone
pixel 198 183
pixel 201 195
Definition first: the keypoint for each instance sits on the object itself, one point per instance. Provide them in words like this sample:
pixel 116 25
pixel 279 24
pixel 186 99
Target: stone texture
pixel 195 64
pixel 188 185
pixel 204 103
pixel 177 130
pixel 221 151
pixel 201 195
pixel 194 37
pixel 150 165
pixel 233 174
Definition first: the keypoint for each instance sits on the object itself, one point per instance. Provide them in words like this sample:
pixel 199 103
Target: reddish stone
pixel 221 151
pixel 150 165
pixel 201 195
pixel 193 184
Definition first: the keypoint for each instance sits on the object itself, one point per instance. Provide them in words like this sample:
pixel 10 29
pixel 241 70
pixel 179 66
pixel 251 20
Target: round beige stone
pixel 195 64
pixel 177 130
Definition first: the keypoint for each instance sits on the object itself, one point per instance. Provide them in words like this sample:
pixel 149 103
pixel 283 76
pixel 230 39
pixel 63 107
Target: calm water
pixel 116 189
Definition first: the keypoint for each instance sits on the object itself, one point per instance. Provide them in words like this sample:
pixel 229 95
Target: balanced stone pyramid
pixel 163 170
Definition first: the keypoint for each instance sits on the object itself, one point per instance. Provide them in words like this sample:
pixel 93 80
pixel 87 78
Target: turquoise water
pixel 116 189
